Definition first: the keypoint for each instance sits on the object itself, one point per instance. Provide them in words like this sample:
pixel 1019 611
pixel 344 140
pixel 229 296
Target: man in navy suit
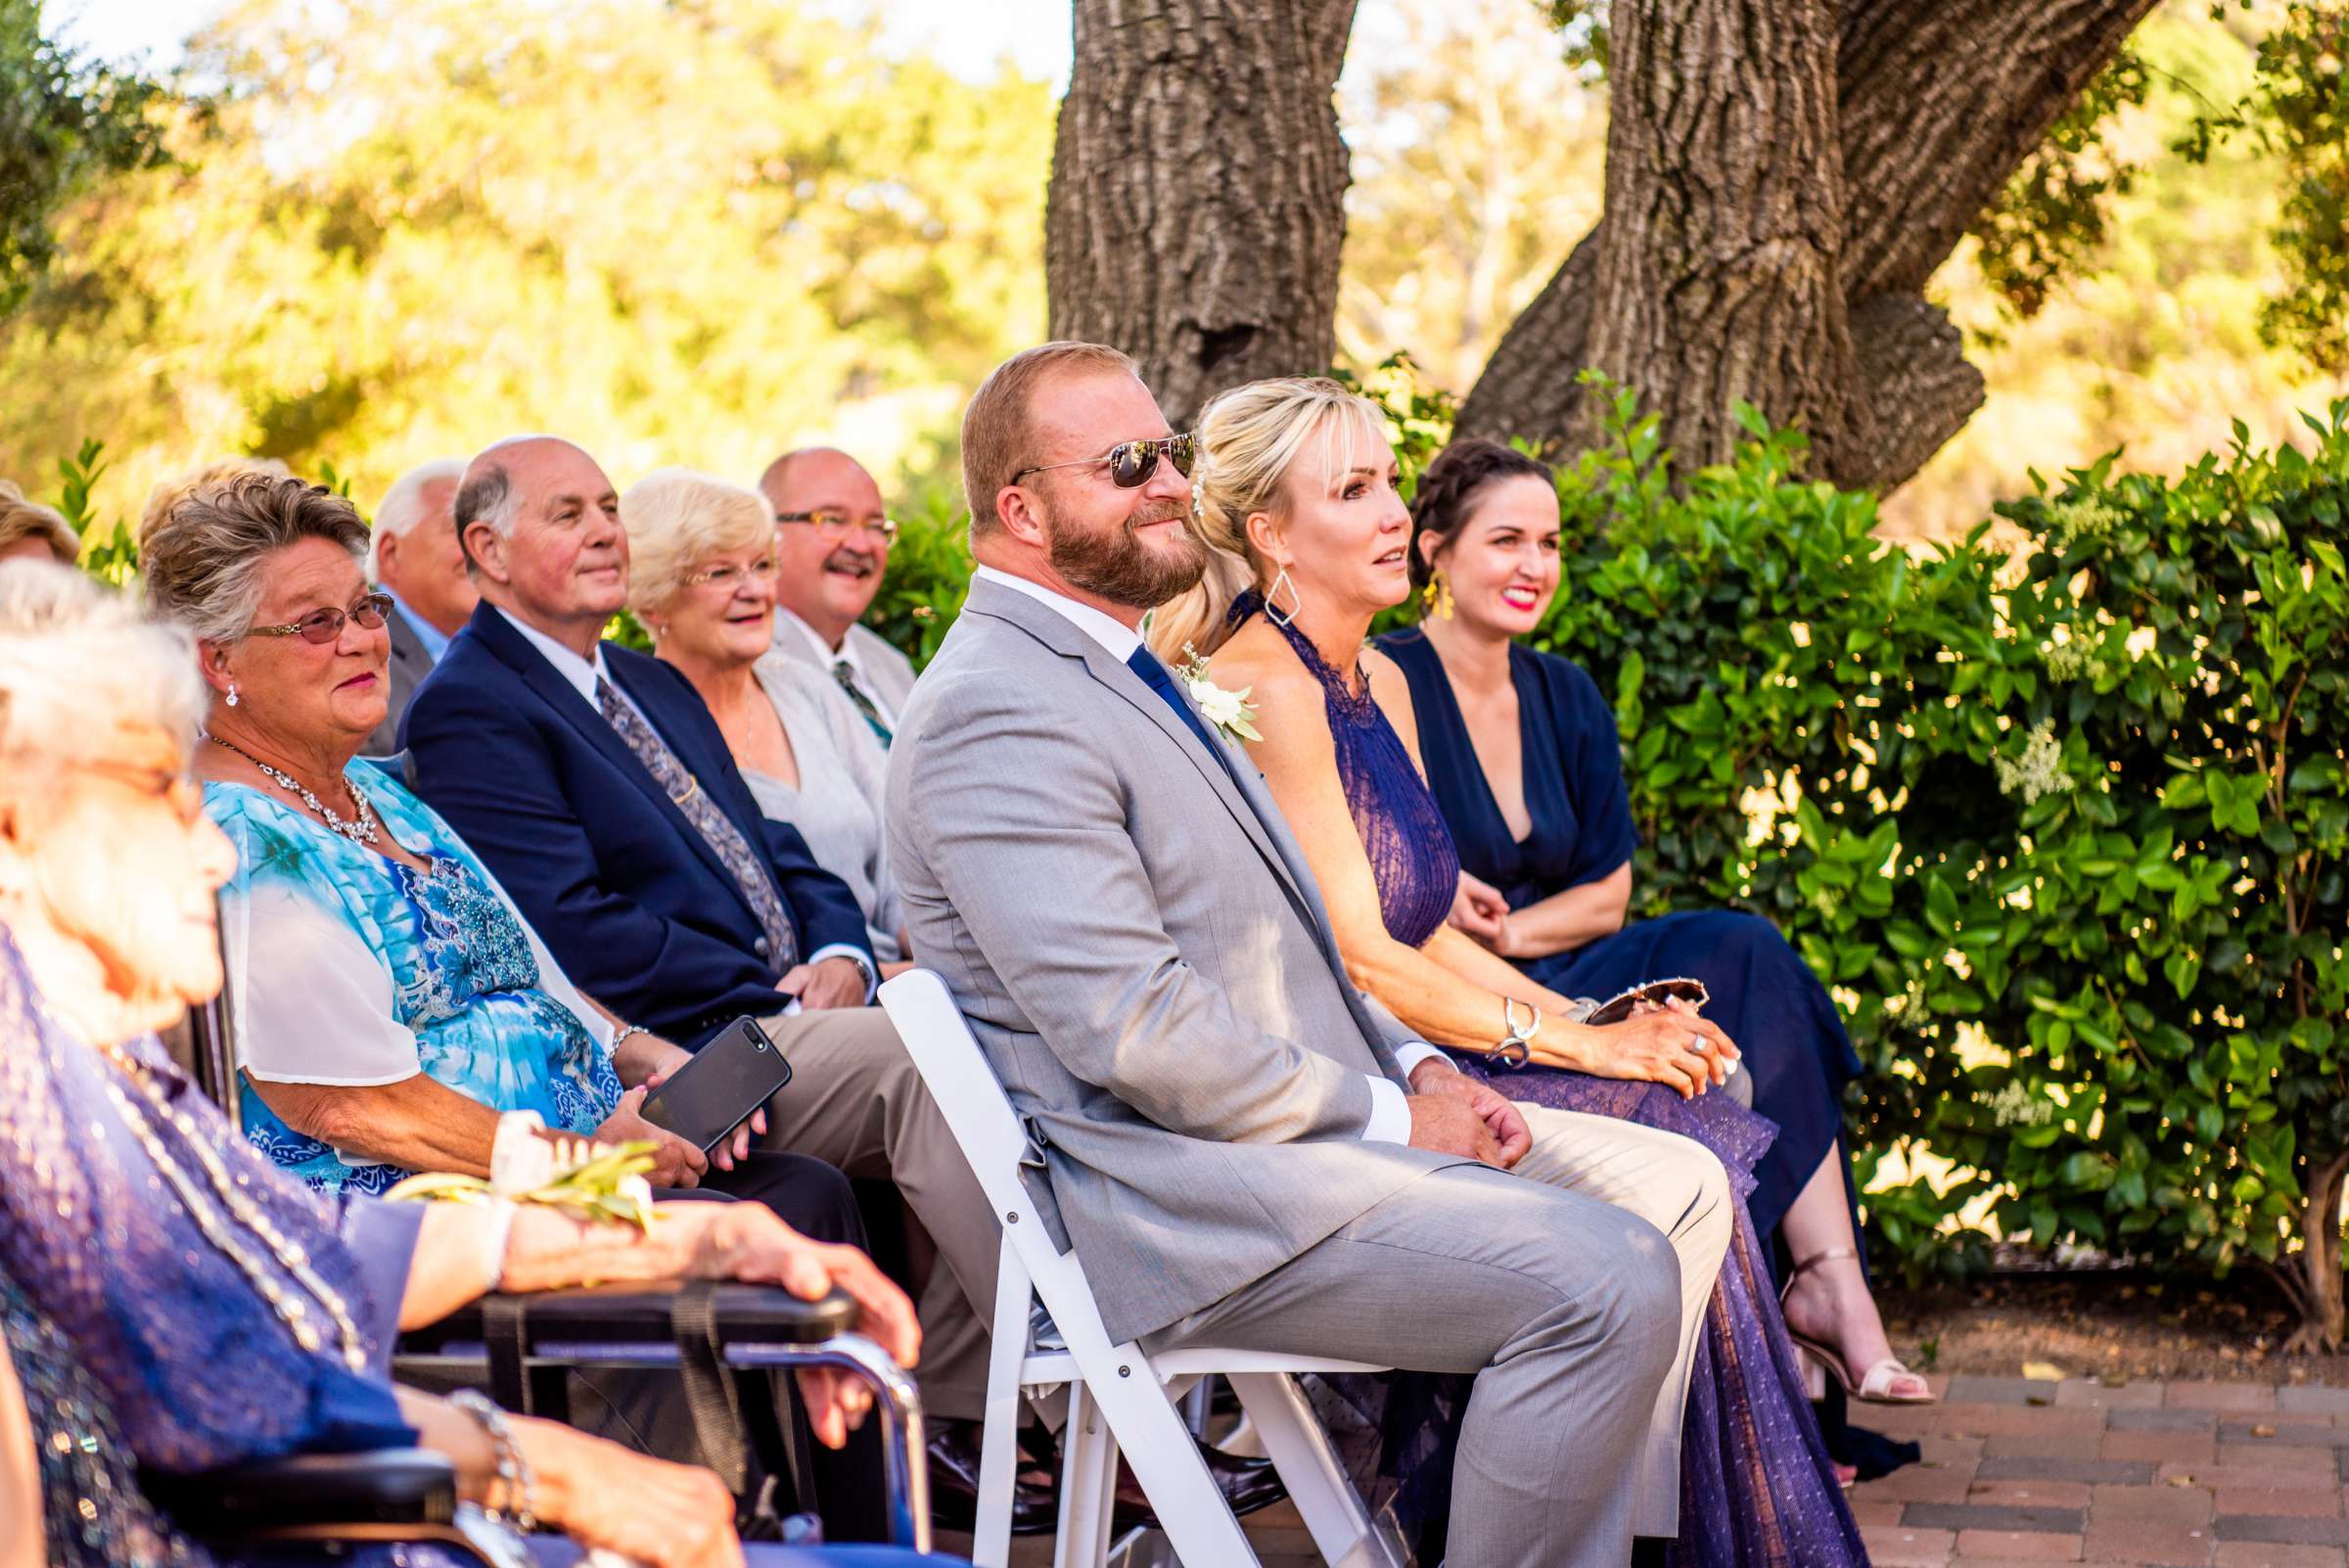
pixel 593 781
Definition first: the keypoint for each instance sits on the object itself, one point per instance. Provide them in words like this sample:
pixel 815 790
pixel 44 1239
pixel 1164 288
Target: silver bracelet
pixel 1515 1049
pixel 513 1471
pixel 622 1033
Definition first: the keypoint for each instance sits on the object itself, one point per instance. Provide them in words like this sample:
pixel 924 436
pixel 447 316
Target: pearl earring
pixel 232 694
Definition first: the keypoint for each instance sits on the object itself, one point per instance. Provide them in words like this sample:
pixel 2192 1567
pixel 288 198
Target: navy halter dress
pixel 1764 994
pixel 1757 1484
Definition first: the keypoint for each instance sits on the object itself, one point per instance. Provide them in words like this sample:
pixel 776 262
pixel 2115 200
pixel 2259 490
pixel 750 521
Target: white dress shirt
pixel 1390 1111
pixel 583 676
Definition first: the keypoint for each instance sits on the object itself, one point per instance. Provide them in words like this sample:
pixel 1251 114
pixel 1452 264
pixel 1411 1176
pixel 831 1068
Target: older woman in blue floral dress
pixel 389 1002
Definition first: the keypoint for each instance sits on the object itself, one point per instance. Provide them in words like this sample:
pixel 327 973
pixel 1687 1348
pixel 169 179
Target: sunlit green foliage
pixel 696 232
pixel 64 122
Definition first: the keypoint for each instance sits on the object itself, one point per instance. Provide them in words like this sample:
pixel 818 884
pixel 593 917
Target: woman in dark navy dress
pixel 1521 753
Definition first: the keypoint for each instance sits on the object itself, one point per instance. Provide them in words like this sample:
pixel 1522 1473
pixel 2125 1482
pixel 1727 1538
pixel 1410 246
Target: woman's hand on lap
pixel 1479 909
pixel 1670 1046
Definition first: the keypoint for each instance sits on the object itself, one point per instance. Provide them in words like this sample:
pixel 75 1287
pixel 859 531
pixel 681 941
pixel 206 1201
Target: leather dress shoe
pixel 954 1486
pixel 1247 1484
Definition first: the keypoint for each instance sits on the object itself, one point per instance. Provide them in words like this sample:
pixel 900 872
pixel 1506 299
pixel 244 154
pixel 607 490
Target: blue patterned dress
pixel 1758 1489
pixel 309 914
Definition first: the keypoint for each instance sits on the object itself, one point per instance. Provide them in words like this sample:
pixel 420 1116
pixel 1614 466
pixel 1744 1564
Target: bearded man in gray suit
pixel 1245 1149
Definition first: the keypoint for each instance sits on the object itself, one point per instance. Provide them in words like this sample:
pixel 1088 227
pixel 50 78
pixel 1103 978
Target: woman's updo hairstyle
pixel 1249 438
pixel 1445 498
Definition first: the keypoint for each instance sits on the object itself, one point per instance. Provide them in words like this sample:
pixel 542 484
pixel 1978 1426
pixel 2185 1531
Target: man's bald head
pixel 810 470
pixel 831 537
pixel 490 492
pixel 540 524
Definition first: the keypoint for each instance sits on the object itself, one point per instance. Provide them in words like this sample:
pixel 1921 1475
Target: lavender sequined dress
pixel 1758 1489
pixel 139 1341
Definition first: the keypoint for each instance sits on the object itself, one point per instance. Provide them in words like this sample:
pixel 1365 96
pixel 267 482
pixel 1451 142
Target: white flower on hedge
pixel 2039 771
pixel 1230 711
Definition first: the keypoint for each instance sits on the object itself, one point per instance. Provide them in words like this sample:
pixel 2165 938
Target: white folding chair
pixel 1120 1400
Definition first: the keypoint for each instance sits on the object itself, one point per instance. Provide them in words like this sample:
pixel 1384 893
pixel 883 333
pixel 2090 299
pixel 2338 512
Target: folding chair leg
pixel 1000 1436
pixel 1300 1449
pixel 1192 1512
pixel 1088 1484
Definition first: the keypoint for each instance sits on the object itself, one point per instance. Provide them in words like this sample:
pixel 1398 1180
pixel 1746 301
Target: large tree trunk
pixel 1198 190
pixel 1725 217
pixel 1936 103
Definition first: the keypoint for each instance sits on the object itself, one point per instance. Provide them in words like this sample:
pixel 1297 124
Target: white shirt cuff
pixel 1410 1055
pixel 1389 1114
pixel 842 950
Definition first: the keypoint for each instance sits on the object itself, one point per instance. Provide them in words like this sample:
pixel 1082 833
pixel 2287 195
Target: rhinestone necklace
pixel 362 830
pixel 222 1232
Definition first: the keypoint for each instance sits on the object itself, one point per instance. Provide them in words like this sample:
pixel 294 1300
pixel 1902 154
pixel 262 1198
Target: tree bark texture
pixel 1934 104
pixel 1198 190
pixel 1724 216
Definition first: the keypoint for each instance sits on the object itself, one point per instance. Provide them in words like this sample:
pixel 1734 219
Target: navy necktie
pixel 1145 664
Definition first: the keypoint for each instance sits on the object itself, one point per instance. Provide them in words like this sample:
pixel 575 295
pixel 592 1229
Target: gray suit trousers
pixel 1574 1289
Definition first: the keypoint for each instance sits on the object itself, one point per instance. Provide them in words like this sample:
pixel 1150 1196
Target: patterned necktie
pixel 780 947
pixel 864 705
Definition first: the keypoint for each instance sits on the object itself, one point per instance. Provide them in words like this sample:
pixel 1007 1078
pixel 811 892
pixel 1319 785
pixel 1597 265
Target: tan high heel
pixel 1872 1387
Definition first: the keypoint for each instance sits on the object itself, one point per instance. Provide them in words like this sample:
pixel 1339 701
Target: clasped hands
pixel 1455 1114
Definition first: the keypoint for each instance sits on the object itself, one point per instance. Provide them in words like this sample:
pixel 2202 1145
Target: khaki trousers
pixel 856 1101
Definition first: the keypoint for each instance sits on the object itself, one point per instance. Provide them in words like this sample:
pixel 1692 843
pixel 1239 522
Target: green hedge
pixel 2060 813
pixel 2063 822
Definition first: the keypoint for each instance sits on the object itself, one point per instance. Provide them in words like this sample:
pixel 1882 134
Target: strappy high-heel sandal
pixel 1821 1359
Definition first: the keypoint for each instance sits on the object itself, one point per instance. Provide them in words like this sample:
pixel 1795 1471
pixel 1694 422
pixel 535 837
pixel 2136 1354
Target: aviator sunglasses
pixel 326 625
pixel 1131 463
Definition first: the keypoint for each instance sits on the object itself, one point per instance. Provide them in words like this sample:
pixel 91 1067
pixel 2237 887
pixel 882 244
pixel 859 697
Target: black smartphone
pixel 715 1092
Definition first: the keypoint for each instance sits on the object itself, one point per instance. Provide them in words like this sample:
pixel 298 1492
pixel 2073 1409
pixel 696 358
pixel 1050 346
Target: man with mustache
pixel 832 542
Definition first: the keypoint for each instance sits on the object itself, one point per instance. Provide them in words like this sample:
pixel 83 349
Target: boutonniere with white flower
pixel 1230 711
pixel 586 1180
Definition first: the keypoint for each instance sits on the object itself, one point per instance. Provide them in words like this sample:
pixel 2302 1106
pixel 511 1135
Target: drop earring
pixel 1273 610
pixel 232 694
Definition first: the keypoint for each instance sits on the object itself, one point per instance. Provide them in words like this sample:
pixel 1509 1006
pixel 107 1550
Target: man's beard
pixel 1117 566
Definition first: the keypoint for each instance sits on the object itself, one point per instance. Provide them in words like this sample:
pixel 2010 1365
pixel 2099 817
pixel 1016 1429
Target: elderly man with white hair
pixel 413 556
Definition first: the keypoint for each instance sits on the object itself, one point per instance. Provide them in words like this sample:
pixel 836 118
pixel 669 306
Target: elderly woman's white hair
pixel 80 665
pixel 677 517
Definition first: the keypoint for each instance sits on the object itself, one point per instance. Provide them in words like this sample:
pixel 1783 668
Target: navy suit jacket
pixel 622 888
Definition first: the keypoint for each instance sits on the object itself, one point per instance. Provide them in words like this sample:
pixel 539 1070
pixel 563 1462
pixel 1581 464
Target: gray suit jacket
pixel 890 672
pixel 1144 956
pixel 409 664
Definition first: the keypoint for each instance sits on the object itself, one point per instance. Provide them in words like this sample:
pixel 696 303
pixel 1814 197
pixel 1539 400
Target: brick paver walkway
pixel 2145 1475
pixel 2148 1474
